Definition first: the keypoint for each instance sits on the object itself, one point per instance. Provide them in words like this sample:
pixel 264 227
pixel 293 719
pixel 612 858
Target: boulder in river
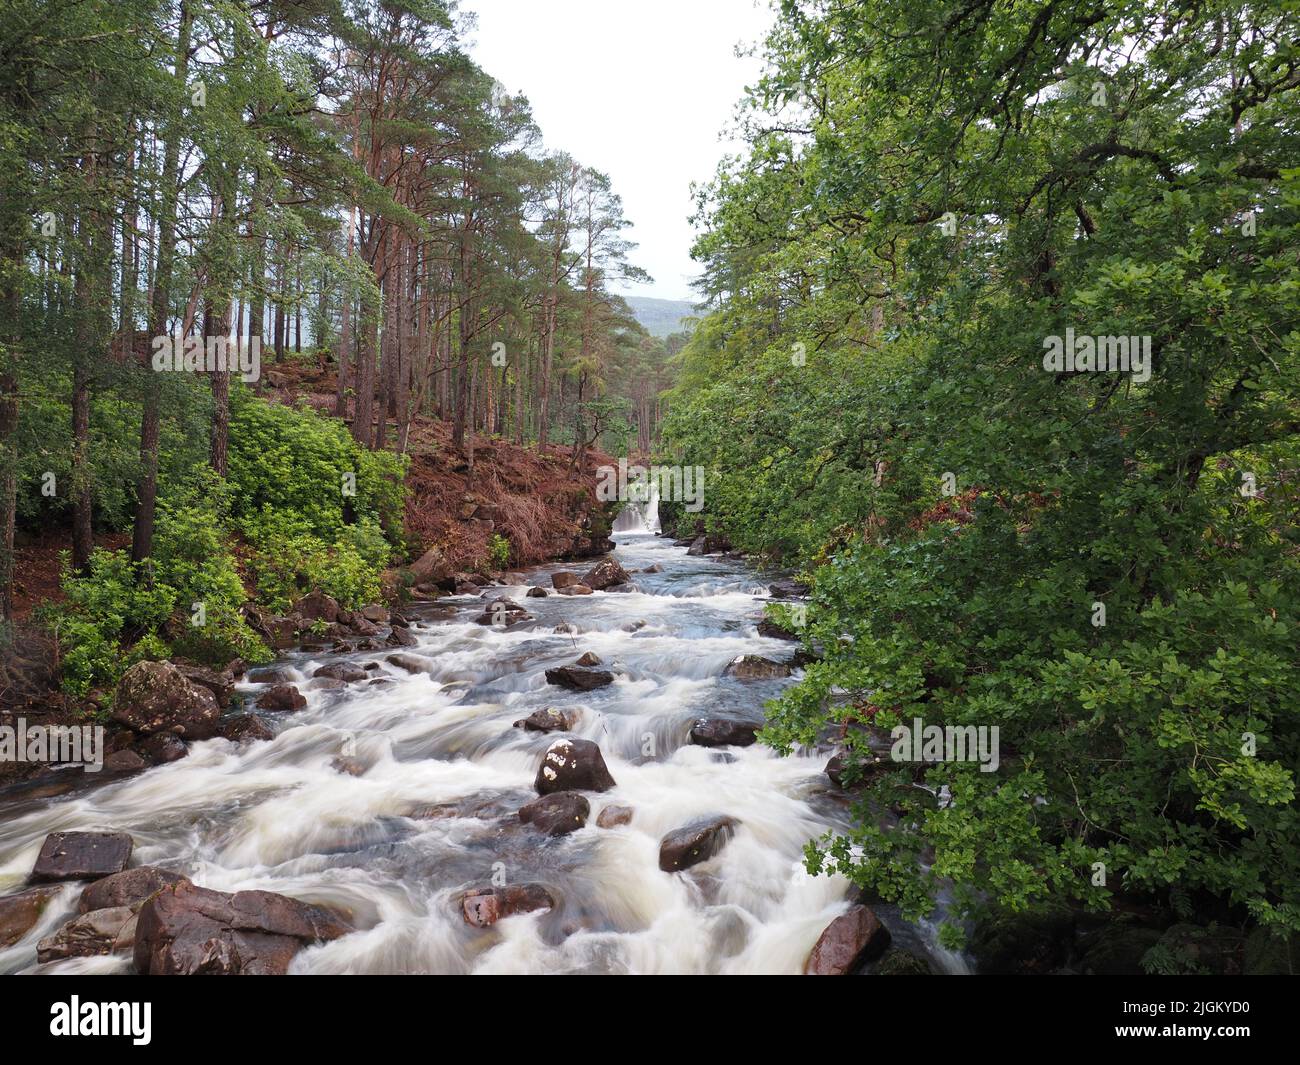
pixel 548 719
pixel 221 685
pixel 537 592
pixel 604 573
pixel 401 636
pixel 579 680
pixel 574 589
pixel 503 612
pixel 787 589
pixel 157 697
pixel 588 659
pixel 695 843
pixel 283 697
pixel 127 888
pixel 557 814
pixel 81 856
pixel 20 912
pixel 483 907
pixel 773 631
pixel 163 747
pixel 613 815
pixel 573 765
pixel 723 732
pixel 563 579
pixel 755 667
pixel 851 940
pixel 97 932
pixel 348 672
pixel 187 930
pixel 410 663
pixel 243 727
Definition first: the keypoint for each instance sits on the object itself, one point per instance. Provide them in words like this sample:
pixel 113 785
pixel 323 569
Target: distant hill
pixel 660 317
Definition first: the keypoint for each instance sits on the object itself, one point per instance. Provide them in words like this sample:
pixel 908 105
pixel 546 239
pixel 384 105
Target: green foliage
pixel 863 356
pixel 498 551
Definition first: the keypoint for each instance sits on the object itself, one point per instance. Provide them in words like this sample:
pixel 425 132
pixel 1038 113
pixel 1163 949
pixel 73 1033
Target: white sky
pixel 641 89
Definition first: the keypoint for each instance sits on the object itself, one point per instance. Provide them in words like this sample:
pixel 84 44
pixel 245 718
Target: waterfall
pixel 639 516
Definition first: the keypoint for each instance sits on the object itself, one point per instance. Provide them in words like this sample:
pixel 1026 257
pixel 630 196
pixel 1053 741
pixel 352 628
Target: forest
pixel 957 634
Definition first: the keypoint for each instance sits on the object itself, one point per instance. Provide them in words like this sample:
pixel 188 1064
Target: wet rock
pixel 563 579
pixel 410 663
pixel 188 930
pixel 364 627
pixel 221 685
pixel 465 588
pixel 548 719
pixel 375 614
pixel 398 620
pixel 402 637
pixel 325 684
pixel 633 626
pixel 317 607
pixel 588 659
pixel 270 676
pixel 613 816
pixel 98 932
pixel 723 732
pixel 156 697
pixel 537 592
pixel 787 589
pixel 483 907
pixel 773 631
pixel 755 667
pixel 579 680
pixel 694 843
pixel 163 747
pixel 575 589
pixel 243 727
pixel 127 888
pixel 604 573
pixel 503 612
pixel 284 698
pixel 557 814
pixel 656 568
pixel 344 671
pixel 564 628
pixel 351 767
pixel 81 856
pixel 19 913
pixel 849 941
pixel 573 765
pixel 709 545
pixel 120 763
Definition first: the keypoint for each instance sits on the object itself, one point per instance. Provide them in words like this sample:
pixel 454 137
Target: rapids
pixel 434 812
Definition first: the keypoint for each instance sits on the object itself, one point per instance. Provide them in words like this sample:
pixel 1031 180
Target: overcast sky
pixel 641 90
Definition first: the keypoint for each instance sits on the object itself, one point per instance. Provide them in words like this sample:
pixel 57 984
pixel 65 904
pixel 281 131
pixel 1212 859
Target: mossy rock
pixel 901 963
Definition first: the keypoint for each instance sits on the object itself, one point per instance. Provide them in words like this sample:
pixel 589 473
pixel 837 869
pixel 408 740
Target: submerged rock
pixel 483 907
pixel 557 814
pixel 613 816
pixel 19 913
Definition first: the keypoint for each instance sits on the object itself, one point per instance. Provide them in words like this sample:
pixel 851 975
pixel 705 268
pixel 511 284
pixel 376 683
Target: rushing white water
pixel 640 516
pixel 278 816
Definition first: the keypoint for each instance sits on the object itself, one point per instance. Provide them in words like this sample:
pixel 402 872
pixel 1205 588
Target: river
pixel 443 774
